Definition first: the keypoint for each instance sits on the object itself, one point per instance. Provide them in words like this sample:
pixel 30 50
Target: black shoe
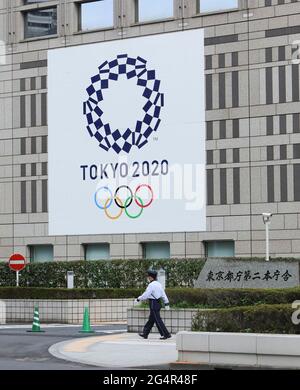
pixel 166 337
pixel 143 335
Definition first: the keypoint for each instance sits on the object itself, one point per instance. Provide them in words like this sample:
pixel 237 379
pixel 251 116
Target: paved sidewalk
pixel 126 350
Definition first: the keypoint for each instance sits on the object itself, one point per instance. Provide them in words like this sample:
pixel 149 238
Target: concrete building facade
pixel 252 132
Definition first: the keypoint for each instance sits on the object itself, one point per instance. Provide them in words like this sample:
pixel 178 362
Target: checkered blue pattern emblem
pixel 123 140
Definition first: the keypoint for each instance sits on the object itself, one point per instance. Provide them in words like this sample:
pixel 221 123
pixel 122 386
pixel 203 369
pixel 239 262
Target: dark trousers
pixel 155 318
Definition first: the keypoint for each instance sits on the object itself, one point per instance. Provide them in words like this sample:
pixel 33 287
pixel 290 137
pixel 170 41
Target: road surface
pixel 20 350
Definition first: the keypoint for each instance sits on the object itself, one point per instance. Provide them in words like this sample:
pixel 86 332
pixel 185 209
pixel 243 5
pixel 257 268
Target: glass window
pixel 216 5
pixel 2 53
pixel 96 14
pixel 40 22
pixel 220 249
pixel 97 252
pixel 34 1
pixel 41 253
pixel 156 250
pixel 148 10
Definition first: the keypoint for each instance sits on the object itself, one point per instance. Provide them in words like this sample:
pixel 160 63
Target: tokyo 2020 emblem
pixel 125 139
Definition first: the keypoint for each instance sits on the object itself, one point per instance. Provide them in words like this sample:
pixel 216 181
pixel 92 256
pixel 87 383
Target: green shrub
pixel 104 274
pixel 111 273
pixel 64 293
pixel 179 297
pixel 220 298
pixel 252 319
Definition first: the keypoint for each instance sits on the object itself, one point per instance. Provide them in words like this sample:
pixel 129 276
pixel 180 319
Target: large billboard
pixel 127 136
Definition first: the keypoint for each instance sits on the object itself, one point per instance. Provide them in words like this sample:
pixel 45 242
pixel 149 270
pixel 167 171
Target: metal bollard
pixel 2 313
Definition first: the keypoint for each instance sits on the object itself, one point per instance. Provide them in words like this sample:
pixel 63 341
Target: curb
pixel 93 346
pixel 54 351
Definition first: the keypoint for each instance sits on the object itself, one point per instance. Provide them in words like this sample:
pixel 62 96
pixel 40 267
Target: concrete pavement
pixel 125 350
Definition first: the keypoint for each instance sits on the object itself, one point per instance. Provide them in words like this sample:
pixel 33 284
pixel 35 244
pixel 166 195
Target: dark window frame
pixel 156 20
pixel 206 242
pixel 144 243
pixel 25 13
pixel 79 18
pixel 199 12
pixel 85 246
pixel 31 248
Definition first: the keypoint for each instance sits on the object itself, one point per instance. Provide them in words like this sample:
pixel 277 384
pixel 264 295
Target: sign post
pixel 17 263
pixel 162 277
pixel 70 279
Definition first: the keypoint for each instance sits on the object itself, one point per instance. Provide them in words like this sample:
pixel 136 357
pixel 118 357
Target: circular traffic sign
pixel 17 262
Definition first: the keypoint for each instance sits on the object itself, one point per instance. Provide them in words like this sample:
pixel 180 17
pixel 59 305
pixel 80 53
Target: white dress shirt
pixel 154 291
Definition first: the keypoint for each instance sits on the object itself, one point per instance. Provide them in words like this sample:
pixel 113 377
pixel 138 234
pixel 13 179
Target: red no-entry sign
pixel 17 262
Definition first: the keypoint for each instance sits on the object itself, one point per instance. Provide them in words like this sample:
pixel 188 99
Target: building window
pixel 34 1
pixel 149 10
pixel 216 5
pixel 219 249
pixel 96 15
pixel 40 22
pixel 41 253
pixel 96 252
pixel 156 250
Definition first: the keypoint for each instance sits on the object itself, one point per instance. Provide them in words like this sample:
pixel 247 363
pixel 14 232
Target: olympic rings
pixel 131 197
pixel 106 207
pixel 111 198
pixel 128 202
pixel 133 216
pixel 137 198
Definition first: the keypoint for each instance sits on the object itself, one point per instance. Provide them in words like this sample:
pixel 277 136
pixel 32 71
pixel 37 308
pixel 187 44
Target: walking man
pixel 154 293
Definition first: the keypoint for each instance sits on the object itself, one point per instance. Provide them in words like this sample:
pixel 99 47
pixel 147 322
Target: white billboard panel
pixel 127 136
